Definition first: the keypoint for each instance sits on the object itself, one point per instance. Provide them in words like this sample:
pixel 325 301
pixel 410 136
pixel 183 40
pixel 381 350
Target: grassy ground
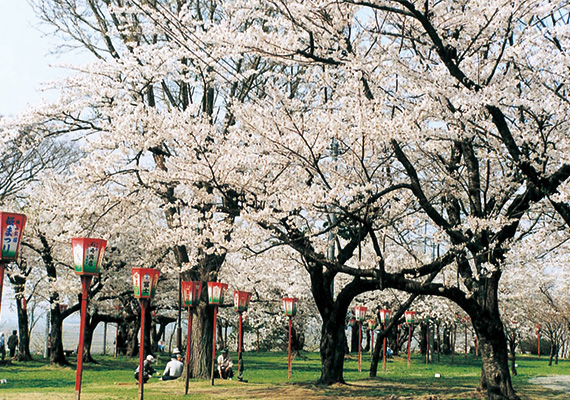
pixel 112 379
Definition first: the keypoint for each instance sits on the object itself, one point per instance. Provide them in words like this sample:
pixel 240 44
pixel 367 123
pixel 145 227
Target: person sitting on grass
pixel 148 370
pixel 225 365
pixel 173 368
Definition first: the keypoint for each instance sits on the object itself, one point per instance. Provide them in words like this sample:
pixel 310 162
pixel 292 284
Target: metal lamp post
pixel 216 293
pixel 11 231
pixel 191 291
pixel 87 256
pixel 145 281
pixel 384 318
pixel 360 315
pixel 290 308
pixel 410 320
pixel 241 302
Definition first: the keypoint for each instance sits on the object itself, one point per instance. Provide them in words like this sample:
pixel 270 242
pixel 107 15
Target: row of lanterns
pixel 384 316
pixel 87 256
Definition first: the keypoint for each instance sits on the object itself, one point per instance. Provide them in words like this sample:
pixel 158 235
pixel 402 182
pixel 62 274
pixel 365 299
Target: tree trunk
pixel 332 348
pixel 354 337
pixel 23 328
pixel 57 356
pixel 91 322
pixel 133 338
pixel 495 376
pixel 512 347
pixel 553 351
pixel 446 345
pixel 202 336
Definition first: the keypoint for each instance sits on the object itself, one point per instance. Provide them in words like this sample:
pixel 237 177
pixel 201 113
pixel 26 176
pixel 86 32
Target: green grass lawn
pixel 267 375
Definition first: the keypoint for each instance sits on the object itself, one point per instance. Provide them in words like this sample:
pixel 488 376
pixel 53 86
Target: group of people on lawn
pixel 175 366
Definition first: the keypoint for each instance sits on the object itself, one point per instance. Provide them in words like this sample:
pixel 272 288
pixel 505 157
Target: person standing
pixel 13 343
pixel 2 345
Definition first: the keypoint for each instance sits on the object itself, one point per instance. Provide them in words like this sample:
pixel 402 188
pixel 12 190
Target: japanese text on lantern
pixel 137 283
pixel 10 237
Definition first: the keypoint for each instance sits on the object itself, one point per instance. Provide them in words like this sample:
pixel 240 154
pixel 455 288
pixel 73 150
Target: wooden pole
pixel 141 350
pixel 85 283
pixel 188 345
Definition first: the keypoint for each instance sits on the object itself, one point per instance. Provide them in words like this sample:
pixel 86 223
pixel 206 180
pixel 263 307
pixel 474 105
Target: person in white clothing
pixel 173 368
pixel 225 365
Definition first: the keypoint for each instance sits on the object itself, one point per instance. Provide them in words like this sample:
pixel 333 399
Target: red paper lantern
pixel 384 316
pixel 87 255
pixel 290 306
pixel 371 324
pixel 241 300
pixel 145 281
pixel 191 293
pixel 410 317
pixel 216 292
pixel 11 231
pixel 360 313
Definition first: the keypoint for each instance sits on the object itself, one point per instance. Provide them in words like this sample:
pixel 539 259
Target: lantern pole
pixel 289 347
pixel 143 303
pixel 214 343
pixel 384 347
pixel 85 284
pixel 359 344
pixel 240 356
pixel 409 341
pixel 145 281
pixel 188 344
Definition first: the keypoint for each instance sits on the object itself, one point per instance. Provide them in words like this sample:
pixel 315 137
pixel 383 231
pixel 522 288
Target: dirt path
pixel 554 382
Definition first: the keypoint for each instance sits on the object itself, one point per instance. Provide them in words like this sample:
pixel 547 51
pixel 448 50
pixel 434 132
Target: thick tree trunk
pixel 332 348
pixel 202 336
pixel 495 378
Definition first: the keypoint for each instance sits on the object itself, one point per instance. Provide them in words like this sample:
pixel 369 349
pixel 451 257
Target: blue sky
pixel 25 59
pixel 24 64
